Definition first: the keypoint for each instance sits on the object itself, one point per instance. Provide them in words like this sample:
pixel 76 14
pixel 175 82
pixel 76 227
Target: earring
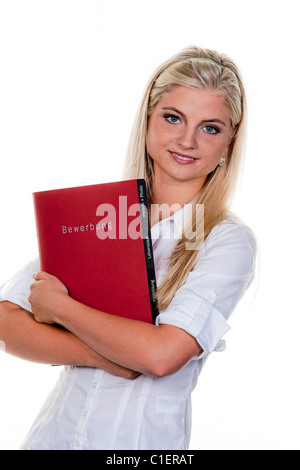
pixel 222 161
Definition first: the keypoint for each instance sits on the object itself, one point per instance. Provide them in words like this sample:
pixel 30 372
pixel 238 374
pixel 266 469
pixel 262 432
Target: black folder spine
pixel 145 222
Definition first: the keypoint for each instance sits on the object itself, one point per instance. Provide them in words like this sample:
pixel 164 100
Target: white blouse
pixel 92 409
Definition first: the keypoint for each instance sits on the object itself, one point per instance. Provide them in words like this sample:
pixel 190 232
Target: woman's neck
pixel 166 199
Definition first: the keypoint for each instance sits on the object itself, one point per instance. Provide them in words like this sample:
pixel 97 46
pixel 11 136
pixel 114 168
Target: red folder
pixel 96 239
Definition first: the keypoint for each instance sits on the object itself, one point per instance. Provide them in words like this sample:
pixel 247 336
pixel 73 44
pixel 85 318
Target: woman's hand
pixel 47 295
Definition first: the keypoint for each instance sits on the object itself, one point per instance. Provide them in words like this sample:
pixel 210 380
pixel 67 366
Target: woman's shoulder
pixel 231 245
pixel 232 230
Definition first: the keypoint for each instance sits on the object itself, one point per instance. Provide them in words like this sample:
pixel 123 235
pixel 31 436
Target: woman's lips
pixel 182 159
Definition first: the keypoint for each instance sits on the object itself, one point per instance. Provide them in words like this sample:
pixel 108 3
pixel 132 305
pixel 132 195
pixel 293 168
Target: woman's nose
pixel 187 139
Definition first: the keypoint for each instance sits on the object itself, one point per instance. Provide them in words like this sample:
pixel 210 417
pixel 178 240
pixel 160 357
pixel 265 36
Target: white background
pixel 71 76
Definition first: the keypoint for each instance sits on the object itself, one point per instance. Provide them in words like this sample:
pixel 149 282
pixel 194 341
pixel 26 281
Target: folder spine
pixel 145 223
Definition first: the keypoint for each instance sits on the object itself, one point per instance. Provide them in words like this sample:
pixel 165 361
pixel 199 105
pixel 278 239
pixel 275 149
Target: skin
pixel 186 121
pixel 182 123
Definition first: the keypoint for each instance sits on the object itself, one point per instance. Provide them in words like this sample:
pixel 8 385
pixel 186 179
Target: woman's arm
pixel 155 350
pixel 38 342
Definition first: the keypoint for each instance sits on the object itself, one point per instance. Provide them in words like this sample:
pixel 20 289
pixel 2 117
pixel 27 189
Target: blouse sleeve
pixel 17 289
pixel 223 271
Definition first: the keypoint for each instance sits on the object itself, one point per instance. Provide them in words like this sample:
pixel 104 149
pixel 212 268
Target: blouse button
pixel 210 297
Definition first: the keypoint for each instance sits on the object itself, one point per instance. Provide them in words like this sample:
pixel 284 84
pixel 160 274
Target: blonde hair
pixel 193 67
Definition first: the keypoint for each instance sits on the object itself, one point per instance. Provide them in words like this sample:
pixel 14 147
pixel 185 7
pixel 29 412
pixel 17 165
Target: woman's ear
pixel 234 134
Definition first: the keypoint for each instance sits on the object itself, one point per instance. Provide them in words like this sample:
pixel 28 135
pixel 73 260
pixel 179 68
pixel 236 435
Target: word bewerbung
pixel 133 222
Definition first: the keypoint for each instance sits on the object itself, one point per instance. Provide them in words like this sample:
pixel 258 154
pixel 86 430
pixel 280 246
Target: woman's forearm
pixel 23 337
pixel 154 350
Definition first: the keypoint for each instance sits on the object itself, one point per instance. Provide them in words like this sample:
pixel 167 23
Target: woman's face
pixel 188 133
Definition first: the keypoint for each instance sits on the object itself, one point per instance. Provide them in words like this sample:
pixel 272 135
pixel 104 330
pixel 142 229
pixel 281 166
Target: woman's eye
pixel 211 130
pixel 172 118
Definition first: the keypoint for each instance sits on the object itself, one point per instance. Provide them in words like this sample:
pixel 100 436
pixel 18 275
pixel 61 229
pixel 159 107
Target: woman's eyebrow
pixel 219 121
pixel 214 120
pixel 173 109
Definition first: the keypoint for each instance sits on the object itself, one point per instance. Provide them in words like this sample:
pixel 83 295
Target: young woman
pixel 127 384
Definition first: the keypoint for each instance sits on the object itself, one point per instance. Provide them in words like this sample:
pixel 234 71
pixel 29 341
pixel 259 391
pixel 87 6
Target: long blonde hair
pixel 193 67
